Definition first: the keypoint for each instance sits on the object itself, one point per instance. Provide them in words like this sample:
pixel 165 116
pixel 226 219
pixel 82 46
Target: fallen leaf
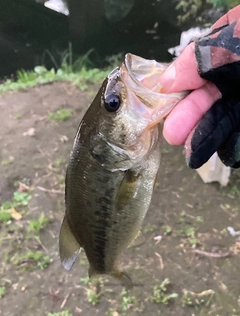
pixel 15 215
pixel 158 239
pixel 63 138
pixel 78 310
pixel 30 132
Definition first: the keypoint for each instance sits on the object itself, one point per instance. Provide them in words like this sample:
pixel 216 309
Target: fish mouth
pixel 142 77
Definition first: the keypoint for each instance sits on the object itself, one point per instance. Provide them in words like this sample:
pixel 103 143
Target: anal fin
pixel 69 247
pixel 138 240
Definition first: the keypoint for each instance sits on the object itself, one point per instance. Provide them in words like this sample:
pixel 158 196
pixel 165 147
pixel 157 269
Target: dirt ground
pixel 185 231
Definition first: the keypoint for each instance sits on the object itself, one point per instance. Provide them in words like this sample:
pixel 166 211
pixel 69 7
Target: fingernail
pixel 168 77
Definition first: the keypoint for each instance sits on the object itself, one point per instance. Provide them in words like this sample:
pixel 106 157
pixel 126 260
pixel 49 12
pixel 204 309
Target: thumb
pixel 182 74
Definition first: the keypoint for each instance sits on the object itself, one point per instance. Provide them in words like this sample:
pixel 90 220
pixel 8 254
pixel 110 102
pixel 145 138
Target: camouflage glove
pixel 218 59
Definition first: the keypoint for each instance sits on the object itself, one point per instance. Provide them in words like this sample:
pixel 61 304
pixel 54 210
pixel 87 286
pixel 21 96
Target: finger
pixel 188 112
pixel 182 73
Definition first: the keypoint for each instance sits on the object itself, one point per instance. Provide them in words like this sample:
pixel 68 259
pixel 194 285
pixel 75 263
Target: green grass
pixel 37 258
pixel 41 75
pixel 127 300
pixel 60 115
pixel 36 225
pixel 80 72
pixel 160 293
pixel 20 199
pixel 93 297
pixel 2 291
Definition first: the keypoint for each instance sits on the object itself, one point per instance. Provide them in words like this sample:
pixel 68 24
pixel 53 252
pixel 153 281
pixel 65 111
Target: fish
pixel 113 167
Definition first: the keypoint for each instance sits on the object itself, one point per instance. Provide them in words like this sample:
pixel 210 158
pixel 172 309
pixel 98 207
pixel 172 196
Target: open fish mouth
pixel 145 73
pixel 142 77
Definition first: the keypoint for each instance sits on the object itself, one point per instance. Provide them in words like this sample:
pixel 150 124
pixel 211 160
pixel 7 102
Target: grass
pixel 127 300
pixel 37 258
pixel 2 291
pixel 93 297
pixel 41 75
pixel 60 115
pixel 8 208
pixel 160 293
pixel 80 72
pixel 36 225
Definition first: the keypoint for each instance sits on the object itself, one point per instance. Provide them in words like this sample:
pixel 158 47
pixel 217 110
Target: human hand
pixel 183 75
pixel 210 68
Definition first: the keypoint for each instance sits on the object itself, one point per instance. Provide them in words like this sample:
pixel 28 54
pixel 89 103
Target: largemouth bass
pixel 113 166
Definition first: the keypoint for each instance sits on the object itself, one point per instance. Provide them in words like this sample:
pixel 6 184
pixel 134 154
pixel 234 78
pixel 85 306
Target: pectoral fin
pixel 128 188
pixel 69 248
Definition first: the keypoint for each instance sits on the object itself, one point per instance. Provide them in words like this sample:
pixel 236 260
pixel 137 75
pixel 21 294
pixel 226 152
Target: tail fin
pixel 125 279
pixel 69 248
pixel 118 274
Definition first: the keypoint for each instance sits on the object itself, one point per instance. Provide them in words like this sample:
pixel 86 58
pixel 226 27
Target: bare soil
pixel 185 231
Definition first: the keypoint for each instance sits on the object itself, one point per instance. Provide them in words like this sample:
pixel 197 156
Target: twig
pixel 39 241
pixel 64 301
pixel 211 254
pixel 161 260
pixel 201 294
pixel 50 191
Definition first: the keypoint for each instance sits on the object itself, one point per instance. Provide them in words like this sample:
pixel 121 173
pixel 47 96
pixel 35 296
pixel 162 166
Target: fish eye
pixel 112 103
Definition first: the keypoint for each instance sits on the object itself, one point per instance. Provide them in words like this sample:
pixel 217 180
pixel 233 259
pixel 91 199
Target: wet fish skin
pixel 111 174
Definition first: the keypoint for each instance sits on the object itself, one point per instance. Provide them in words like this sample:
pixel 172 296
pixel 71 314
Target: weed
pixel 111 312
pixel 93 297
pixel 36 225
pixel 199 219
pixel 189 233
pixel 38 257
pixel 63 313
pixel 7 209
pixel 2 291
pixel 85 280
pixel 4 216
pixel 21 198
pixel 115 60
pixel 235 191
pixel 167 230
pixel 192 299
pixel 127 300
pixel 149 228
pixel 187 300
pixel 7 161
pixel 160 294
pixel 77 72
pixel 60 115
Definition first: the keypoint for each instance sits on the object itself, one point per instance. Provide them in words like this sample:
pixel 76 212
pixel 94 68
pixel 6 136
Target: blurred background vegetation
pixel 32 33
